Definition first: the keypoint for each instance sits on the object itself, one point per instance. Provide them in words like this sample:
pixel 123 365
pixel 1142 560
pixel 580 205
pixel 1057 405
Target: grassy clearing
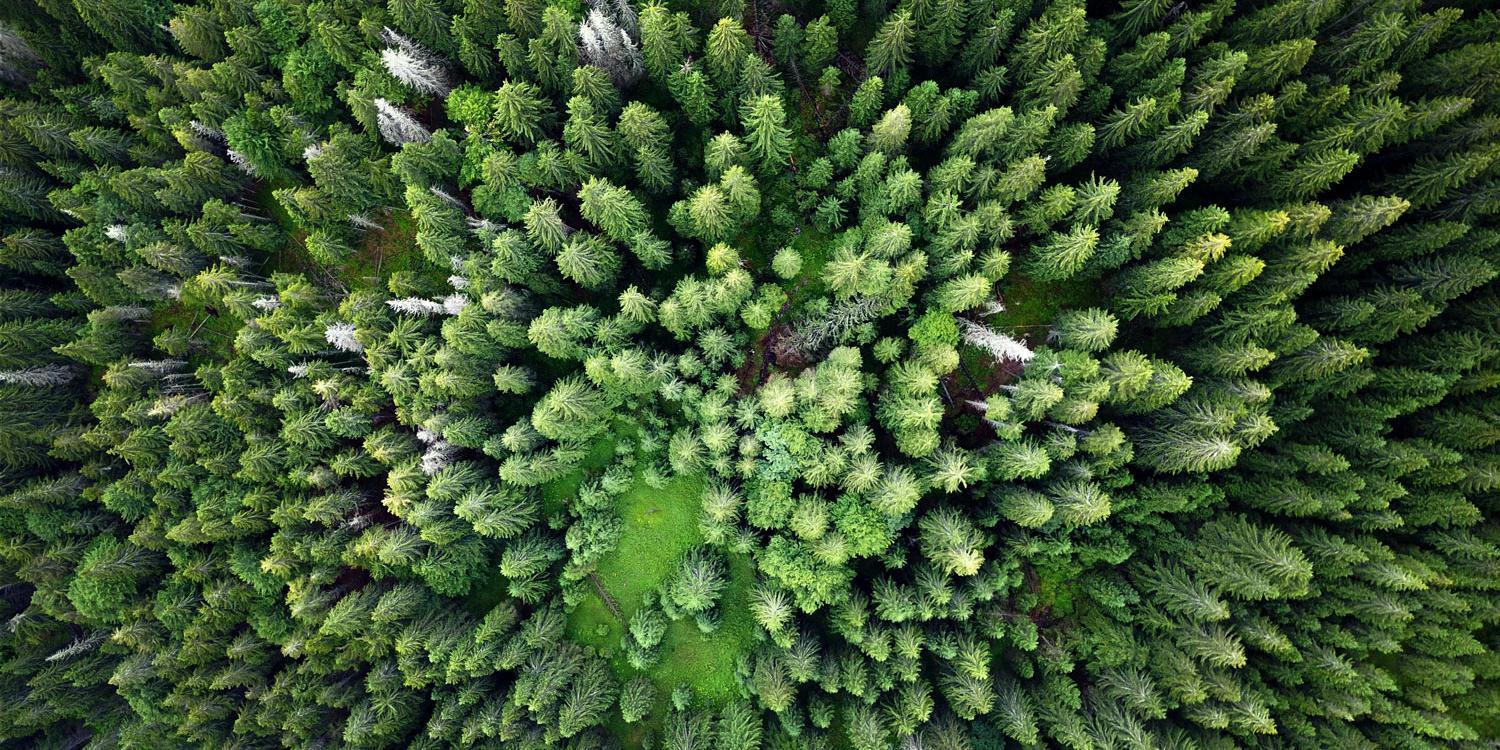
pixel 292 256
pixel 1031 307
pixel 707 662
pixel 660 526
pixel 1054 586
pixel 380 254
pixel 215 329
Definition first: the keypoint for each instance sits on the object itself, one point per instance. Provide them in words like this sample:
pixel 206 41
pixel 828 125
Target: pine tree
pixel 766 135
pixel 891 48
pixel 613 209
pixel 725 50
pixel 520 112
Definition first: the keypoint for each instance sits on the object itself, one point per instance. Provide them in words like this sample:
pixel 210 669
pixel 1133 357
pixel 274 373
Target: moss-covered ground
pixel 1032 306
pixel 385 251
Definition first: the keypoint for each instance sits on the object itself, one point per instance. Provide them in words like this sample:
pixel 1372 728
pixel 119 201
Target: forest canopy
pixel 691 374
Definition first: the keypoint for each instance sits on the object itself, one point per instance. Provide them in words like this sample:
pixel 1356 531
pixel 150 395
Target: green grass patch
pixel 660 525
pixel 707 662
pixel 216 329
pixel 265 197
pixel 380 253
pixel 292 256
pixel 1031 308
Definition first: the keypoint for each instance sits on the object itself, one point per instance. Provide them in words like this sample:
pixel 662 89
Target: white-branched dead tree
pixel 78 646
pixel 411 64
pixel 447 197
pixel 999 345
pixel 151 284
pixel 356 522
pixel 397 126
pixel 121 313
pixel 173 375
pixel 621 11
pixel 439 452
pixel 239 161
pixel 609 47
pixel 40 376
pixel 235 261
pixel 341 337
pixel 171 403
pixel 205 137
pixel 483 227
pixel 360 222
pixel 206 131
pixel 416 306
pixel 454 304
pixel 993 307
pixel 160 367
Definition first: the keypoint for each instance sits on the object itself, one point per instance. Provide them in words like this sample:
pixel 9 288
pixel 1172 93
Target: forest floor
pixel 1032 306
pixel 216 328
pixel 815 248
pixel 660 525
pixel 390 249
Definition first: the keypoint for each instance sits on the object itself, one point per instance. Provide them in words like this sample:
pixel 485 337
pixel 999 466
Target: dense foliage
pixel 962 374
